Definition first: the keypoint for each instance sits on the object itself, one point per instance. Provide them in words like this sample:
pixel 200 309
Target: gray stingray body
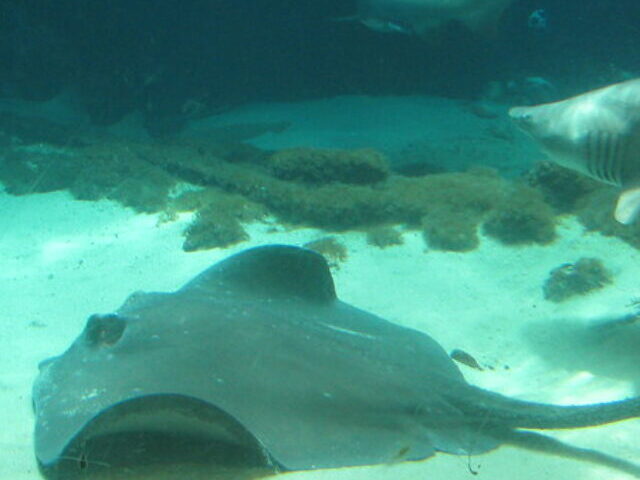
pixel 257 350
pixel 596 133
pixel 422 16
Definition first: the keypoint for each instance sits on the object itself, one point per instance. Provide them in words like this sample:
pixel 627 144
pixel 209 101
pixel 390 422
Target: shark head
pixel 596 133
pixel 523 118
pixel 422 17
pixel 537 123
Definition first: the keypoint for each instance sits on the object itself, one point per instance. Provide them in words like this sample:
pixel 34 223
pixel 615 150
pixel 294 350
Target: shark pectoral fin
pixel 628 206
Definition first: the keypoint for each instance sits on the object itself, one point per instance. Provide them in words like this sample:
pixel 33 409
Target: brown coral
pixel 524 217
pixel 577 278
pixel 330 189
pixel 322 166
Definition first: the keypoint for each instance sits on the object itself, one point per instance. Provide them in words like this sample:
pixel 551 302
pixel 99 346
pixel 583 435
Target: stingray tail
pixel 495 409
pixel 542 443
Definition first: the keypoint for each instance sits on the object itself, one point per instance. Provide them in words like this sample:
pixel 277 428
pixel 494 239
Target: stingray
pixel 258 353
pixel 420 17
pixel 596 133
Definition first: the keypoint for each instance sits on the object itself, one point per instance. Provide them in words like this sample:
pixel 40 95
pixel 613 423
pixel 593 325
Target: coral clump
pixel 384 236
pixel 562 188
pixel 338 206
pixel 593 202
pixel 523 218
pixel 322 166
pixel 474 192
pixel 597 214
pixel 213 229
pixel 579 278
pixel 219 218
pixel 447 229
pixel 448 207
pixel 215 199
pixel 118 172
pixel 115 171
pixel 331 249
pixel 332 189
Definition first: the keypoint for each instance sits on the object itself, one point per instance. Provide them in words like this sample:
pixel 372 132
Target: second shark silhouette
pixel 420 17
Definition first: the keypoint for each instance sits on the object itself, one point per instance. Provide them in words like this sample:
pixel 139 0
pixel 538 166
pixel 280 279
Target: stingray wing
pixel 262 339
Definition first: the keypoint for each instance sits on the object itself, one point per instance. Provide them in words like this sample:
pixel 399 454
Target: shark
pixel 596 133
pixel 420 17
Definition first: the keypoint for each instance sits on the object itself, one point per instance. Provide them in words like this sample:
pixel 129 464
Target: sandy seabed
pixel 63 260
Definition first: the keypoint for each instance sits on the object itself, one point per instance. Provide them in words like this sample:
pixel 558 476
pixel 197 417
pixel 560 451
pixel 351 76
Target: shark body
pixel 419 17
pixel 596 133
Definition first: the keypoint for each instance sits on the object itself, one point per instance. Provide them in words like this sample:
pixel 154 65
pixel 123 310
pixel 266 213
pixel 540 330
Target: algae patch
pixel 322 166
pixel 384 236
pixel 336 190
pixel 334 251
pixel 524 217
pixel 572 279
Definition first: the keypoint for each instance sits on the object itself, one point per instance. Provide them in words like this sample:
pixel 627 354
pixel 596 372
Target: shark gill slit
pixel 602 156
pixel 605 151
pixel 621 155
pixel 591 155
pixel 613 156
pixel 616 159
pixel 609 156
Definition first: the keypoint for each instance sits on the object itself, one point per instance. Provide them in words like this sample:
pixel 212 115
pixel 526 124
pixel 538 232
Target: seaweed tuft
pixel 334 251
pixel 213 229
pixel 572 279
pixel 523 218
pixel 323 166
pixel 384 236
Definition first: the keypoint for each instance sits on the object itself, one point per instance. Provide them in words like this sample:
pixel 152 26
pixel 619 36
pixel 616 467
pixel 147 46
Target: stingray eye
pixel 104 330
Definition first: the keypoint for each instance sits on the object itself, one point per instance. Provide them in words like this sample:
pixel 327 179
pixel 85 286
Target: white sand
pixel 63 260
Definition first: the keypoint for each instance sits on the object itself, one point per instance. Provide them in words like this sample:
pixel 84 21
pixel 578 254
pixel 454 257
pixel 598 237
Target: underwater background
pixel 124 56
pixel 141 142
